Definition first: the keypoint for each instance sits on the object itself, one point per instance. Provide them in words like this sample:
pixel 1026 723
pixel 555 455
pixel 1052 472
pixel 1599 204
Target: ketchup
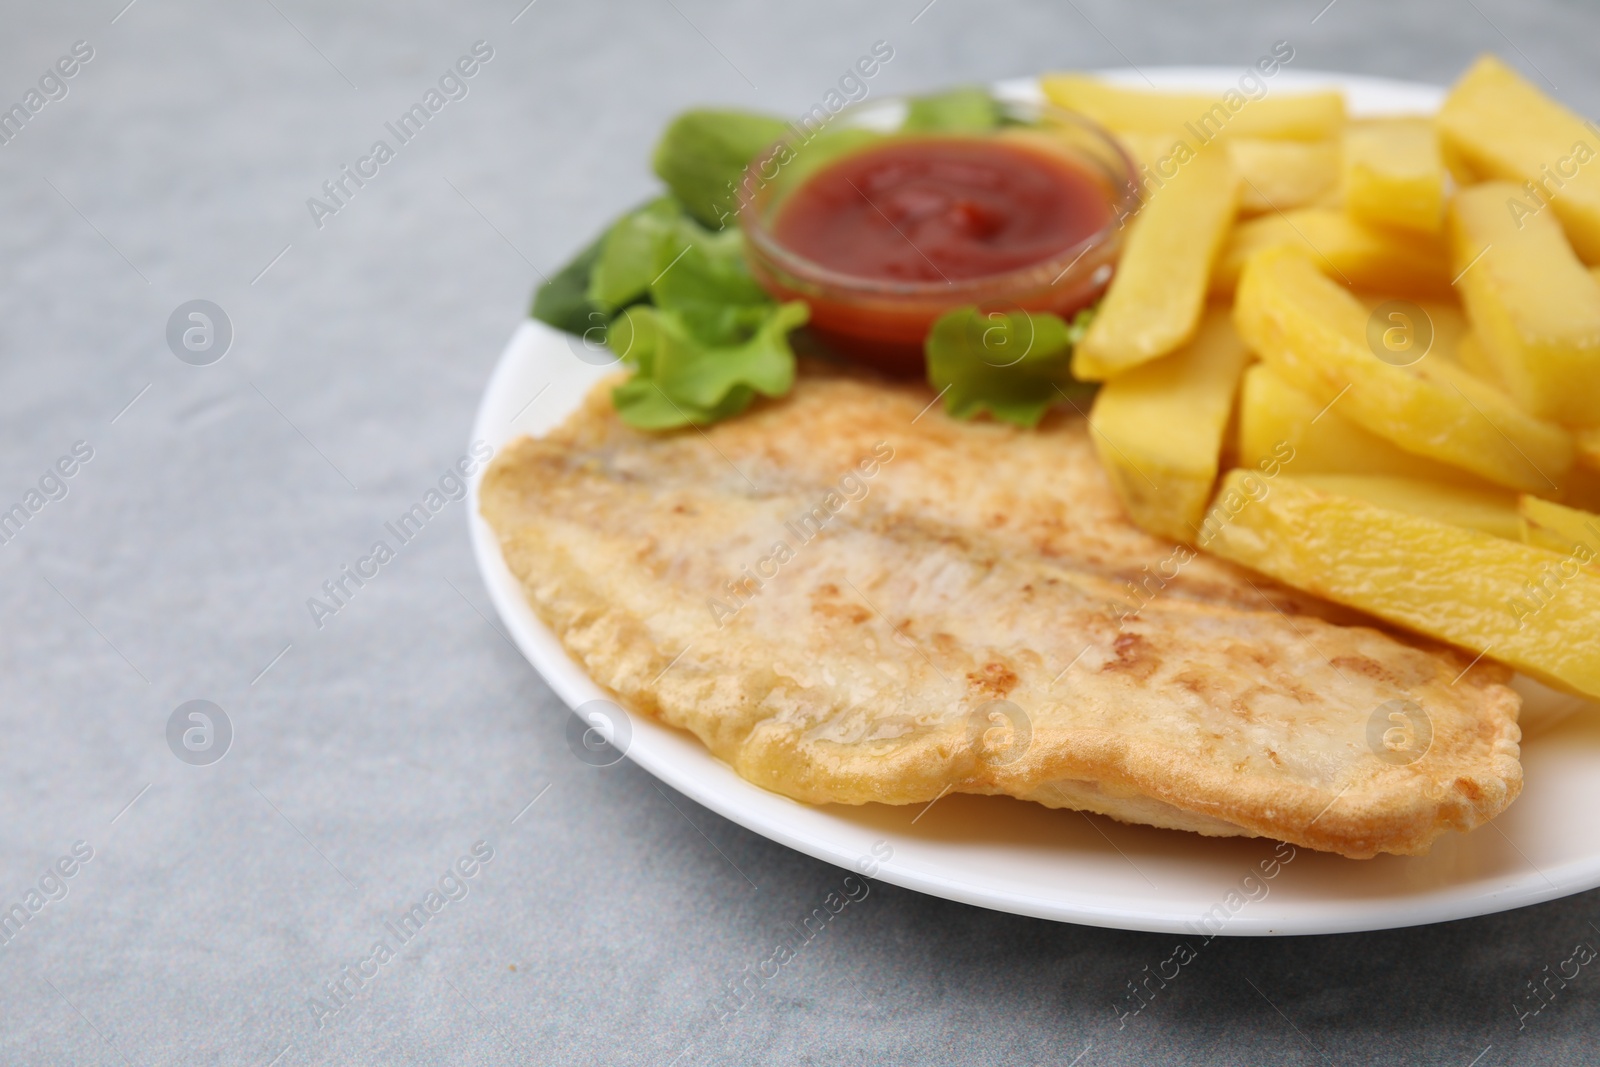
pixel 883 241
pixel 942 209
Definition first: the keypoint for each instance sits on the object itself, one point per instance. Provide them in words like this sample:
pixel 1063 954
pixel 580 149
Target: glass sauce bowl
pixel 883 321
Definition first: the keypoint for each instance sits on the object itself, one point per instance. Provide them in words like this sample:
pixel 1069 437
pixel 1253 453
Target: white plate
pixel 1017 857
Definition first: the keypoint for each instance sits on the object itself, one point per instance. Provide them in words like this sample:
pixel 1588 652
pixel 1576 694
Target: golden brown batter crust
pixel 846 585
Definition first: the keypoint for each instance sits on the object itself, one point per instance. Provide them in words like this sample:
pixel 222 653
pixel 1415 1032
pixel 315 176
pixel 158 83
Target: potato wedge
pixel 1489 509
pixel 1147 149
pixel 1156 297
pixel 1560 528
pixel 1446 321
pixel 1393 174
pixel 1199 117
pixel 1533 305
pixel 1497 125
pixel 1460 170
pixel 1471 354
pixel 1279 421
pixel 1525 606
pixel 1273 175
pixel 1283 175
pixel 1589 447
pixel 1159 428
pixel 1582 489
pixel 1315 334
pixel 1359 255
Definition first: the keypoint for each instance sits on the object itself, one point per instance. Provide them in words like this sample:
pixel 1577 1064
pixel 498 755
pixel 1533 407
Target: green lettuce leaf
pixel 642 404
pixel 684 380
pixel 633 251
pixel 703 154
pixel 677 297
pixel 633 336
pixel 1013 365
pixel 704 338
pixel 563 300
pixel 705 276
pixel 966 109
pixel 659 253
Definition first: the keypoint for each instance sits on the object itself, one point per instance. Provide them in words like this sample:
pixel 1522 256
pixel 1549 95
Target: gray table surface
pixel 373 752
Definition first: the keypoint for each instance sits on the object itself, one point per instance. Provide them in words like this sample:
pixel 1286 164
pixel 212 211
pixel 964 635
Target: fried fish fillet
pixel 849 597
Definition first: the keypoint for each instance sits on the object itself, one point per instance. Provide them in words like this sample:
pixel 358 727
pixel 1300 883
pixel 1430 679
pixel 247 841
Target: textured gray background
pixel 379 748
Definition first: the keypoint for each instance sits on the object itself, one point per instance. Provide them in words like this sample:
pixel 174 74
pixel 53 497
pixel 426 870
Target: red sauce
pixel 940 209
pixel 883 241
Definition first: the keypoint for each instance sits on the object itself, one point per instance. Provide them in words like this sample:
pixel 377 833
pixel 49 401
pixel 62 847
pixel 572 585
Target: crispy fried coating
pixel 849 597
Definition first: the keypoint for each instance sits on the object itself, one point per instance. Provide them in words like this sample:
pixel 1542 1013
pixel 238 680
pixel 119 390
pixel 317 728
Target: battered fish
pixel 849 597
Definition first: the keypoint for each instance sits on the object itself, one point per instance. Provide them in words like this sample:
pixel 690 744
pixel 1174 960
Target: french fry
pixel 1146 149
pixel 1276 419
pixel 1560 528
pixel 1496 125
pixel 1159 290
pixel 1159 428
pixel 1283 175
pixel 1359 255
pixel 1533 305
pixel 1582 489
pixel 1492 510
pixel 1460 171
pixel 1446 320
pixel 1199 117
pixel 1589 447
pixel 1525 606
pixel 1273 175
pixel 1315 334
pixel 1393 174
pixel 1470 354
